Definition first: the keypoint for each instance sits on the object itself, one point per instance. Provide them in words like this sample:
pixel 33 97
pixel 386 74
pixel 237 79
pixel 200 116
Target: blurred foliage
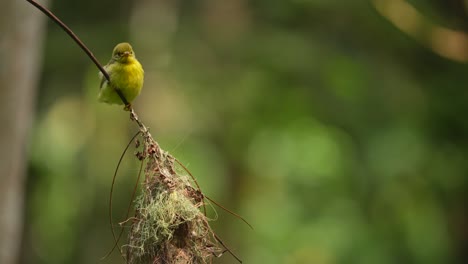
pixel 339 137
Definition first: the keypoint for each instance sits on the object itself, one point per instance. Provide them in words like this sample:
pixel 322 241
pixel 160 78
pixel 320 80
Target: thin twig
pixel 229 211
pixel 112 191
pixel 227 248
pixel 72 35
pixel 79 42
pixel 143 128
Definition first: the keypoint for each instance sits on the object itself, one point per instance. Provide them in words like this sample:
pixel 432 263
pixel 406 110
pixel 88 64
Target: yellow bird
pixel 126 74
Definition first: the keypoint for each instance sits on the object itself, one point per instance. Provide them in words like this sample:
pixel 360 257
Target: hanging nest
pixel 168 226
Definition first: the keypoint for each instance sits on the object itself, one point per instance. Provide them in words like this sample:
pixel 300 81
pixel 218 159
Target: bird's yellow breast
pixel 128 77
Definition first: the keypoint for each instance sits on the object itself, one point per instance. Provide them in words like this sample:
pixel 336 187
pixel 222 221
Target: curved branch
pixel 79 42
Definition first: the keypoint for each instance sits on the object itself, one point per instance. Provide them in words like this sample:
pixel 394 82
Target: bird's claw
pixel 128 107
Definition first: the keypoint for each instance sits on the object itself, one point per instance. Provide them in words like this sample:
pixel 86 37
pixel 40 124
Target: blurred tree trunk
pixel 21 32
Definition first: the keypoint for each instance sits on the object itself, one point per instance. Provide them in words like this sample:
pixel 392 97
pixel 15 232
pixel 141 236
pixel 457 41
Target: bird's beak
pixel 126 53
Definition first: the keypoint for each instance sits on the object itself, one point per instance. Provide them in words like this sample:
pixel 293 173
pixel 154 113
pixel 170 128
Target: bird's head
pixel 123 52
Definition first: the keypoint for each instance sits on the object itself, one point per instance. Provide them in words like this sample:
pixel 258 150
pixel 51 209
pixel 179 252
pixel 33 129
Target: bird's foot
pixel 128 107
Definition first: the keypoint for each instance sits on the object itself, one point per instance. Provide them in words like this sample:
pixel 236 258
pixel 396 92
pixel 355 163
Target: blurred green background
pixel 338 129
